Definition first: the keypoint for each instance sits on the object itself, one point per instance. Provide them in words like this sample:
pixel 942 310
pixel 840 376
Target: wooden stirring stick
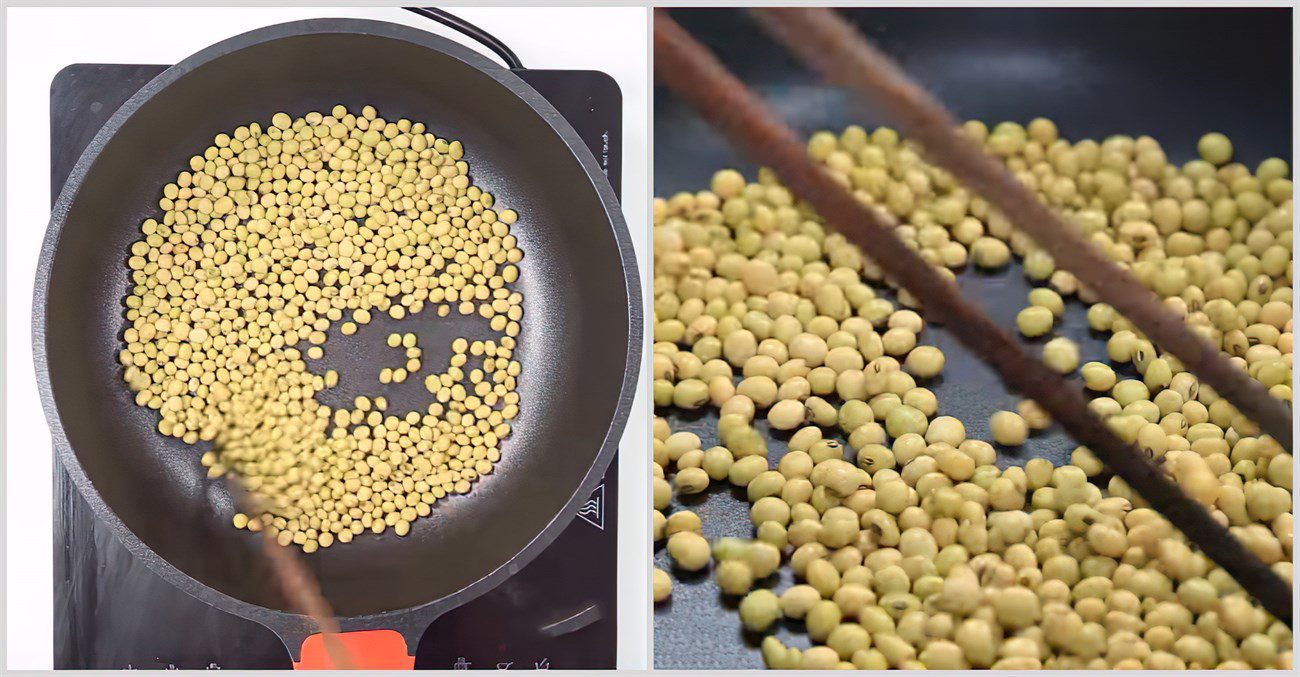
pixel 830 45
pixel 295 580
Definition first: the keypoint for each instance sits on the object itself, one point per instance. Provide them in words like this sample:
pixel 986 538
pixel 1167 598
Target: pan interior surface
pixel 573 348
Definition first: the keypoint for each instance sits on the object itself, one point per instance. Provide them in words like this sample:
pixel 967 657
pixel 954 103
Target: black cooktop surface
pixel 112 612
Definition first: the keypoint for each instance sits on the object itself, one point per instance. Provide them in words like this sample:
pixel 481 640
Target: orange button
pixel 366 649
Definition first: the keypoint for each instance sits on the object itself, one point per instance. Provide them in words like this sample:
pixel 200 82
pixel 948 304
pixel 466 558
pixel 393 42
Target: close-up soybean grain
pixel 884 532
pixel 276 236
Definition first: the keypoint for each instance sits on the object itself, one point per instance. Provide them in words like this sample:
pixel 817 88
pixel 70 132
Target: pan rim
pixel 411 621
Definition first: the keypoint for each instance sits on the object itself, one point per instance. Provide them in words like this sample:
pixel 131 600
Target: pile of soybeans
pixel 910 547
pixel 277 236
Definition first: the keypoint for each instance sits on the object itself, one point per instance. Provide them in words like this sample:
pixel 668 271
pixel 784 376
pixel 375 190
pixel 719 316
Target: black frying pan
pixel 579 349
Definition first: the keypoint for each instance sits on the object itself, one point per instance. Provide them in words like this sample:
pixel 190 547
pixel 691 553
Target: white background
pixel 40 41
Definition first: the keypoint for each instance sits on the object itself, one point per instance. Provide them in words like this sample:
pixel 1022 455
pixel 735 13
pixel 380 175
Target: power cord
pixel 470 30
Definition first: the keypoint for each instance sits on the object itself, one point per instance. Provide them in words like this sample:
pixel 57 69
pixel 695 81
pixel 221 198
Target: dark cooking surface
pixel 112 612
pixel 1172 74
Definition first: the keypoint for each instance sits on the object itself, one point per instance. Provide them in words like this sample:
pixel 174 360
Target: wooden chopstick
pixel 827 43
pixel 295 581
pixel 696 76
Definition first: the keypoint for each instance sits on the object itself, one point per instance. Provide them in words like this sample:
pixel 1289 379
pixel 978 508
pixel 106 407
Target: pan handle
pixel 368 649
